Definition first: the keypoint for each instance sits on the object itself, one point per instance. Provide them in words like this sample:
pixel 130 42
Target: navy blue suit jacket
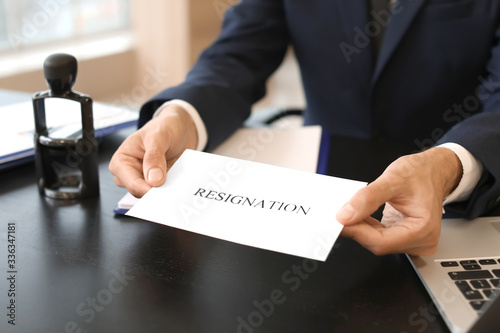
pixel 436 78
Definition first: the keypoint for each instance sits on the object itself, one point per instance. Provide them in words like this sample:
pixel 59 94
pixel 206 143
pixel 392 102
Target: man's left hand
pixel 413 189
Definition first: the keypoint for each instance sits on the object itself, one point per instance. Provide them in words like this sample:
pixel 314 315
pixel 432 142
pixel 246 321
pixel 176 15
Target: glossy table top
pixel 80 268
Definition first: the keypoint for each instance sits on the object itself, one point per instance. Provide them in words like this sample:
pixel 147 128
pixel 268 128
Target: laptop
pixel 463 277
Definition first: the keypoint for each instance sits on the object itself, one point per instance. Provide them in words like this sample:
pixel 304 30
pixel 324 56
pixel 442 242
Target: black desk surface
pixel 80 268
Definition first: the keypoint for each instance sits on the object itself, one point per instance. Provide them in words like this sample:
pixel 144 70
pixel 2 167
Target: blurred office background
pixel 128 50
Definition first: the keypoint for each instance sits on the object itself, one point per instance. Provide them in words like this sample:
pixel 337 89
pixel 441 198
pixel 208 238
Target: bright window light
pixel 28 24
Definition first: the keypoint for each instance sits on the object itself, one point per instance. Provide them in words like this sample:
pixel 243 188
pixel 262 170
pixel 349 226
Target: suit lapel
pixel 399 25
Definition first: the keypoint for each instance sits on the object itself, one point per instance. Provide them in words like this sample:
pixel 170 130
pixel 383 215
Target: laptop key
pixel 470 267
pixel 472 294
pixel 449 263
pixel 480 284
pixel 496 272
pixel 463 285
pixel 488 262
pixel 495 282
pixel 468 262
pixel 477 305
pixel 470 275
pixel 491 293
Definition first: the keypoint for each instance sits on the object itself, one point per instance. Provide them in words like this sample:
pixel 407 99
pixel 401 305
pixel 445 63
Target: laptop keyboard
pixel 477 279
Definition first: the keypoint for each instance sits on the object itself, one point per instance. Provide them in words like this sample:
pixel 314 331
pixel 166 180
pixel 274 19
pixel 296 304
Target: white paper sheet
pixel 295 148
pixel 250 203
pixel 17 123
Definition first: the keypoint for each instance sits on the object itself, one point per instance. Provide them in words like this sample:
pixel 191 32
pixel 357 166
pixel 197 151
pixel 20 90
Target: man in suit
pixel 417 72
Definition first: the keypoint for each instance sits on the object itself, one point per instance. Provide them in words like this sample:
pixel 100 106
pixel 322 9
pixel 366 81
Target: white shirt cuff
pixel 198 122
pixel 472 170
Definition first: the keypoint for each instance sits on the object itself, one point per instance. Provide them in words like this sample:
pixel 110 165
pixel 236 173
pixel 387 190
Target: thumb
pixel 365 202
pixel 154 163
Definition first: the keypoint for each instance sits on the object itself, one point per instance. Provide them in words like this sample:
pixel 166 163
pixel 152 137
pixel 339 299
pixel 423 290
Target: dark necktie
pixel 377 7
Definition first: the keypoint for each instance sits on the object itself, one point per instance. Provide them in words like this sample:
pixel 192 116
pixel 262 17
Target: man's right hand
pixel 143 159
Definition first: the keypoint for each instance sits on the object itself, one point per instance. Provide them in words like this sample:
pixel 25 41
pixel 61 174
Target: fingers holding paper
pixel 142 160
pixel 413 189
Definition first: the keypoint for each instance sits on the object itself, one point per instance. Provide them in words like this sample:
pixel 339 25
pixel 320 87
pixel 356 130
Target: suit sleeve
pixel 231 74
pixel 480 135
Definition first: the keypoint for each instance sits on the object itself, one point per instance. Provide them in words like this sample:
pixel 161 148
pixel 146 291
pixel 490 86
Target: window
pixel 28 24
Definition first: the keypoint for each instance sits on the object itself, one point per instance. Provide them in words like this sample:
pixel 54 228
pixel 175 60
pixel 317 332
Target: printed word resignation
pixel 252 202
